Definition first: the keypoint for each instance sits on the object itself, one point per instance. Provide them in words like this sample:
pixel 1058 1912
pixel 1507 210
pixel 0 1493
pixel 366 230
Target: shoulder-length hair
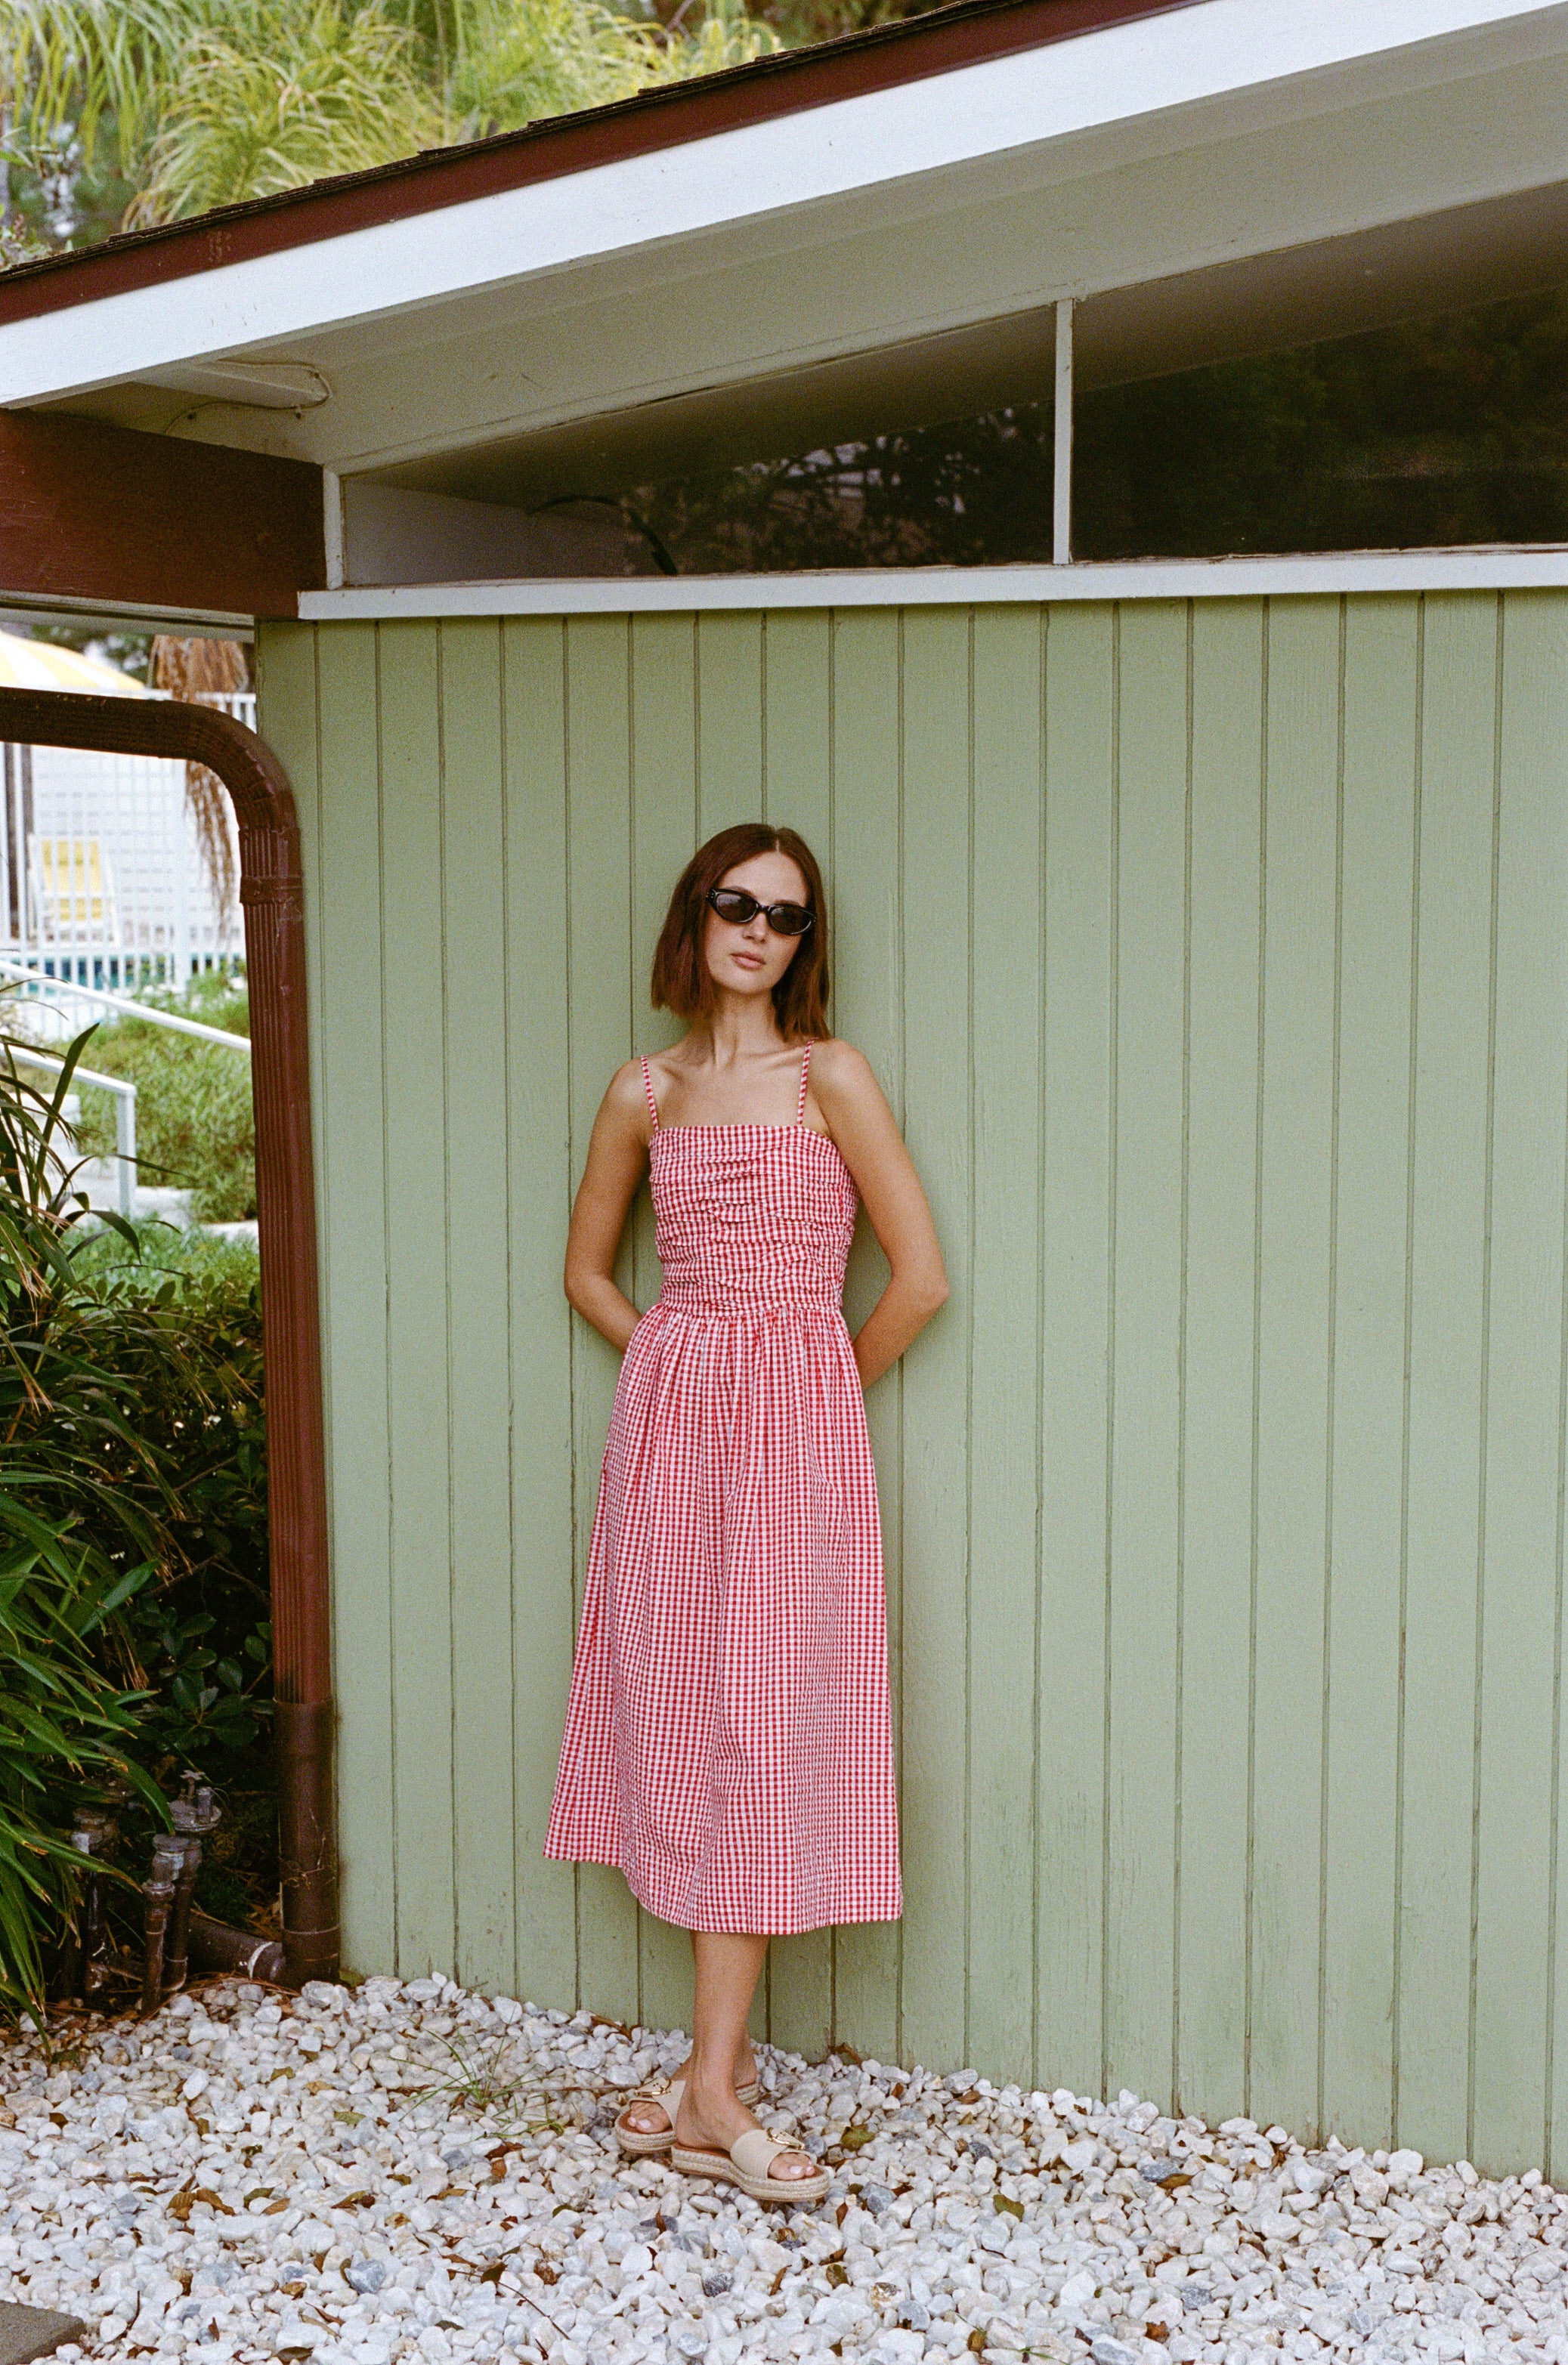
pixel 682 980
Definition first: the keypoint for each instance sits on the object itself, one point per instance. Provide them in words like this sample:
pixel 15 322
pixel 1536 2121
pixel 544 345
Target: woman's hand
pixel 617 1160
pixel 861 1125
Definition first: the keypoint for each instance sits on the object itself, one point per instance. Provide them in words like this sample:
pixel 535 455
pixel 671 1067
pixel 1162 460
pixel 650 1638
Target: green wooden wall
pixel 1214 956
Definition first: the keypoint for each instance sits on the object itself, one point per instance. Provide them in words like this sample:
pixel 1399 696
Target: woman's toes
pixel 792 2166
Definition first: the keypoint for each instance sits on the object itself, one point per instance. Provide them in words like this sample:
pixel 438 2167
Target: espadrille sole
pixel 751 2176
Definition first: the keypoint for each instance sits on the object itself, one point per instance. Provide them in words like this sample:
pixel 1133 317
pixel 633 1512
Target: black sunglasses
pixel 734 905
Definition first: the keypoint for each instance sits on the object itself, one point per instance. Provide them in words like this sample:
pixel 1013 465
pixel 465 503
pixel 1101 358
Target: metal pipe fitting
pixel 195 1813
pixel 168 1859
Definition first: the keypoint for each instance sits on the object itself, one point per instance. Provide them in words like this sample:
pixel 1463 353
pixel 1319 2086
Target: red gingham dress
pixel 728 1742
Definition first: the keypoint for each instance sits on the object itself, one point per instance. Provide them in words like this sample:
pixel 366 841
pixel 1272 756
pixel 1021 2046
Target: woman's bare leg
pixel 652 2118
pixel 727 1968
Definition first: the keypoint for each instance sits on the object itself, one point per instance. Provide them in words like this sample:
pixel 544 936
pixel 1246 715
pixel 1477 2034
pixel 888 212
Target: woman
pixel 727 1742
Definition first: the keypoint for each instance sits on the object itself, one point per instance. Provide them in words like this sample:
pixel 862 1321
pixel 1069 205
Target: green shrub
pixel 152 1251
pixel 132 1452
pixel 176 1325
pixel 63 1717
pixel 194 1123
pixel 61 1720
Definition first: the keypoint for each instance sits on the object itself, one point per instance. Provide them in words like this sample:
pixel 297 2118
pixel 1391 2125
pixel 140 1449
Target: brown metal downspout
pixel 272 892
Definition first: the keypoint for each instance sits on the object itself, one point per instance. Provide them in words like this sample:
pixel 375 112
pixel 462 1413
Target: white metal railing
pixel 125 1113
pixel 123 1090
pixel 102 878
pixel 171 1020
pixel 240 703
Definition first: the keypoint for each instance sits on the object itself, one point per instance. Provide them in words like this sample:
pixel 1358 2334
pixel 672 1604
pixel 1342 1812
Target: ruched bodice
pixel 750 1215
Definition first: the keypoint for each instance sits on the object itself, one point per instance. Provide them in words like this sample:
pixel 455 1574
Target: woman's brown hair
pixel 682 980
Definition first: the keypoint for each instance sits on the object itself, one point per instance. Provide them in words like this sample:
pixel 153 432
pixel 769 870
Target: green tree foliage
pixel 141 111
pixel 276 93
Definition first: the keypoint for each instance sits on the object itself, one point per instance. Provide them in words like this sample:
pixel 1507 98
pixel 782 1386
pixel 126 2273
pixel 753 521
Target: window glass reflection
pixel 1451 430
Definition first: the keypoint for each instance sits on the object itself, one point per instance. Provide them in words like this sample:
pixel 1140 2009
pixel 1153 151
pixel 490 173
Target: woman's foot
pixel 649 2117
pixel 713 2120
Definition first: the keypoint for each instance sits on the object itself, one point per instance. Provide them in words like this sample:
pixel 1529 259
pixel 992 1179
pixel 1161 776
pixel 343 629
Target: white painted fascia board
pixel 1214 51
pixel 121 615
pixel 1488 569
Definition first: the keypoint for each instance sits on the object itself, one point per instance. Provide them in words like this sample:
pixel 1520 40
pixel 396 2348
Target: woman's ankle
pixel 709 2084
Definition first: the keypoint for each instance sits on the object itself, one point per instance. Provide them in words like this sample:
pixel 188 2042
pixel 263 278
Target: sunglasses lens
pixel 734 905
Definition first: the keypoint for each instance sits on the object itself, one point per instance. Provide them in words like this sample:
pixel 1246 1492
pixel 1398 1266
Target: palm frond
pixel 515 62
pixel 209 102
pixel 77 65
pixel 282 91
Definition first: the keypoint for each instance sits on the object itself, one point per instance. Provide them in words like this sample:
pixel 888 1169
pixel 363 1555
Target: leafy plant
pixel 196 1129
pixel 179 105
pixel 60 1718
pixel 512 61
pixel 61 1714
pixel 132 1455
pixel 198 1638
pixel 274 93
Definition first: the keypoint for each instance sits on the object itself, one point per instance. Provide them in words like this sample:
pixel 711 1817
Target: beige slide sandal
pixel 641 2143
pixel 746 2163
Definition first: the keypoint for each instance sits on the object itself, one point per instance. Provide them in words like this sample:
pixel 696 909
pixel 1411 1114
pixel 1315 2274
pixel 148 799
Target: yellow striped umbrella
pixel 39 665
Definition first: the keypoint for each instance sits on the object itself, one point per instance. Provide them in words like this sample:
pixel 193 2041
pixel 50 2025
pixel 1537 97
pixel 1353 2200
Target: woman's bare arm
pixel 868 1141
pixel 617 1160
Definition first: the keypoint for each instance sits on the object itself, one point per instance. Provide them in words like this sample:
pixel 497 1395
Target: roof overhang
pixel 867 234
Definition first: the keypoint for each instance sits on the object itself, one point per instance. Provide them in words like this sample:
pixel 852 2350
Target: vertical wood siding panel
pixel 664 825
pixel 797 794
pixel 664 838
pixel 417 1301
pixel 1514 1832
pixel 729 721
pixel 1075 1344
pixel 538 1329
pixel 353 1213
pixel 1223 925
pixel 1004 1389
pixel 340 832
pixel 1303 727
pixel 1144 1500
pixel 1446 1377
pixel 619 745
pixel 1370 1247
pixel 866 1957
pixel 796 709
pixel 600 892
pixel 472 835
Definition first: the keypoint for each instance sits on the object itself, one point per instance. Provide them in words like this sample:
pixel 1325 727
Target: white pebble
pixel 265 2182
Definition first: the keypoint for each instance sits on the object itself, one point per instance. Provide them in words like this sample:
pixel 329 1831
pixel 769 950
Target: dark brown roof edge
pixel 964 32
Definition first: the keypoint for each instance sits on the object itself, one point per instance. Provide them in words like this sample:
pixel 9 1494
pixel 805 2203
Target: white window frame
pixel 1470 569
pixel 1474 567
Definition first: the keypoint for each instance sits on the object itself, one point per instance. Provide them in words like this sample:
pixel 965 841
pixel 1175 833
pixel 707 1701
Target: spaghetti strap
pixel 648 1088
pixel 805 1072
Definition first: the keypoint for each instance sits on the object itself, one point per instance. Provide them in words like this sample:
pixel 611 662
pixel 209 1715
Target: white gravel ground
pixel 253 2176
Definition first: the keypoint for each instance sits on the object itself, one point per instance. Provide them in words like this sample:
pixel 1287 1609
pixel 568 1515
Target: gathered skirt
pixel 728 1742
